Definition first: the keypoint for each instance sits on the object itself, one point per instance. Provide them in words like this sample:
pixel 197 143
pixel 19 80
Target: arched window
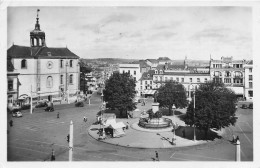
pixel 61 63
pixel 238 74
pixel 156 72
pixel 227 74
pixel 49 82
pixel 71 79
pixel 24 64
pixel 148 75
pixel 71 63
pixel 61 79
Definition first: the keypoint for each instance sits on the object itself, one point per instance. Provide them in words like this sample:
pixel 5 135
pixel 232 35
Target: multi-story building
pixel 147 84
pixel 189 77
pixel 135 71
pixel 44 71
pixel 12 85
pixel 230 72
pixel 153 63
pixel 248 80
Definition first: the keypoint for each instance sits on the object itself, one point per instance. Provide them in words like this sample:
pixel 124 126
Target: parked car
pixel 244 106
pixel 17 114
pixel 250 106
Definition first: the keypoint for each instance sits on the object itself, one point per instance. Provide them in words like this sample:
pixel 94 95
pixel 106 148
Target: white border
pixel 256 56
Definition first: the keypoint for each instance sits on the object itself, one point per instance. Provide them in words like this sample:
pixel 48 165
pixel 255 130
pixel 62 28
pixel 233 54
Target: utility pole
pixel 71 142
pixel 31 109
pixel 194 118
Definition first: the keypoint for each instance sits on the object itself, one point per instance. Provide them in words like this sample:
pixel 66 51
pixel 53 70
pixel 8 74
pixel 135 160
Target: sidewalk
pixel 137 138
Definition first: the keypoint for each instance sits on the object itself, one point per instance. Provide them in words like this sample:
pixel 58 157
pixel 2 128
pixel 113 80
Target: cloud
pixel 216 33
pixel 60 38
pixel 117 18
pixel 170 25
pixel 162 35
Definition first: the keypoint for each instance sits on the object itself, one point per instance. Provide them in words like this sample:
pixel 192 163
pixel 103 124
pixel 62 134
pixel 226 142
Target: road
pixel 33 137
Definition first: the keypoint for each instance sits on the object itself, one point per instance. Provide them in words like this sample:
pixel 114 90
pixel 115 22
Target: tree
pixel 119 92
pixel 84 69
pixel 215 107
pixel 172 93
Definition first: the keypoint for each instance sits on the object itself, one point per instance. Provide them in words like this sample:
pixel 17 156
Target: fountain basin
pixel 155 123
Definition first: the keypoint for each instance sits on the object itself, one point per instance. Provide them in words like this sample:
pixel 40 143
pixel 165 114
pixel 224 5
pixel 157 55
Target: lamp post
pixel 71 142
pixel 31 109
pixel 174 124
pixel 194 127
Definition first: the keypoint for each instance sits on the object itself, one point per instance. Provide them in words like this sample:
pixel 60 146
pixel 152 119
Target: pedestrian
pixel 156 156
pixel 237 139
pixel 183 133
pixel 68 138
pixel 52 155
pixel 58 115
pixel 84 118
pixel 234 139
pixel 11 123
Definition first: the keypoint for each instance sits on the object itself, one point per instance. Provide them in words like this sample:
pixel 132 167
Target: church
pixel 45 72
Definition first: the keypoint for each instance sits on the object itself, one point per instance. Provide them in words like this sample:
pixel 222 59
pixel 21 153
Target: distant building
pixel 248 80
pixel 47 72
pixel 230 72
pixel 135 71
pixel 153 63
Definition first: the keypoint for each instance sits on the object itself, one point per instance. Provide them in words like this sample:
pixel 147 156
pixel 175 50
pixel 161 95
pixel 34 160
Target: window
pixel 250 84
pixel 160 78
pixel 166 79
pixel 227 74
pixel 182 79
pixel 24 64
pixel 146 82
pixel 250 93
pixel 151 87
pixel 71 79
pixel 250 69
pixel 49 82
pixel 151 82
pixel 177 79
pixel 10 85
pixel 61 79
pixel 156 78
pixel 171 78
pixel 71 63
pixel 156 72
pixel 227 80
pixel 129 71
pixel 134 78
pixel 123 71
pixel 205 79
pixel 61 63
pixel 141 88
pixel 190 79
pixel 135 73
pixel 250 77
pixel 148 75
pixel 198 79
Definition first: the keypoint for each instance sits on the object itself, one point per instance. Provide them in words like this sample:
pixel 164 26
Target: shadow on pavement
pixel 188 133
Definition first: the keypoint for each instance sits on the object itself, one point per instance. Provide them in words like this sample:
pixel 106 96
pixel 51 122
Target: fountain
pixel 153 119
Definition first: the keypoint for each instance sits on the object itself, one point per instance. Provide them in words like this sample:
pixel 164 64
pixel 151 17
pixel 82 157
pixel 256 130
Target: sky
pixel 139 32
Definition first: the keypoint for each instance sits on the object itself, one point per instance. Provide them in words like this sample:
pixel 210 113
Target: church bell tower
pixel 37 37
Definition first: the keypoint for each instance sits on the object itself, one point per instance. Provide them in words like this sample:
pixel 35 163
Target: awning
pixel 237 90
pixel 117 125
pixel 151 92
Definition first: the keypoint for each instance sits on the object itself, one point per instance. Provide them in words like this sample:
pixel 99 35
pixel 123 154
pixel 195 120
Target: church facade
pixel 46 72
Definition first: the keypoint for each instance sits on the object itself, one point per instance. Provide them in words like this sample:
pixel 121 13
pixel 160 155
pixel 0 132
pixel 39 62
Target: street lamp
pixel 194 128
pixel 174 124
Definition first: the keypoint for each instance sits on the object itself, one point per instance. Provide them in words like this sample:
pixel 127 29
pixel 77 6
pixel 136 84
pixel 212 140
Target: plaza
pixel 33 137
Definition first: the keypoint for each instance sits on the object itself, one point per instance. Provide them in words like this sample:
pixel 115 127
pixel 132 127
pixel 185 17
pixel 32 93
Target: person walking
pixel 68 138
pixel 11 123
pixel 52 155
pixel 84 118
pixel 58 115
pixel 156 156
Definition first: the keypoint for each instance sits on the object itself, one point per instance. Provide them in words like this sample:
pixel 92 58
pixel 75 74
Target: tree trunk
pixel 169 110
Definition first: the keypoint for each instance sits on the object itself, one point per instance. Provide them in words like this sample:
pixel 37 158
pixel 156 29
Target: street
pixel 33 137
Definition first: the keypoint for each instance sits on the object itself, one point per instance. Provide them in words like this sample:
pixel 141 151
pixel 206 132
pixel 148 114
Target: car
pixel 250 106
pixel 17 114
pixel 244 106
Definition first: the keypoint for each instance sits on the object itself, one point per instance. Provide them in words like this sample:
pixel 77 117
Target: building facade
pixel 44 71
pixel 230 72
pixel 248 80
